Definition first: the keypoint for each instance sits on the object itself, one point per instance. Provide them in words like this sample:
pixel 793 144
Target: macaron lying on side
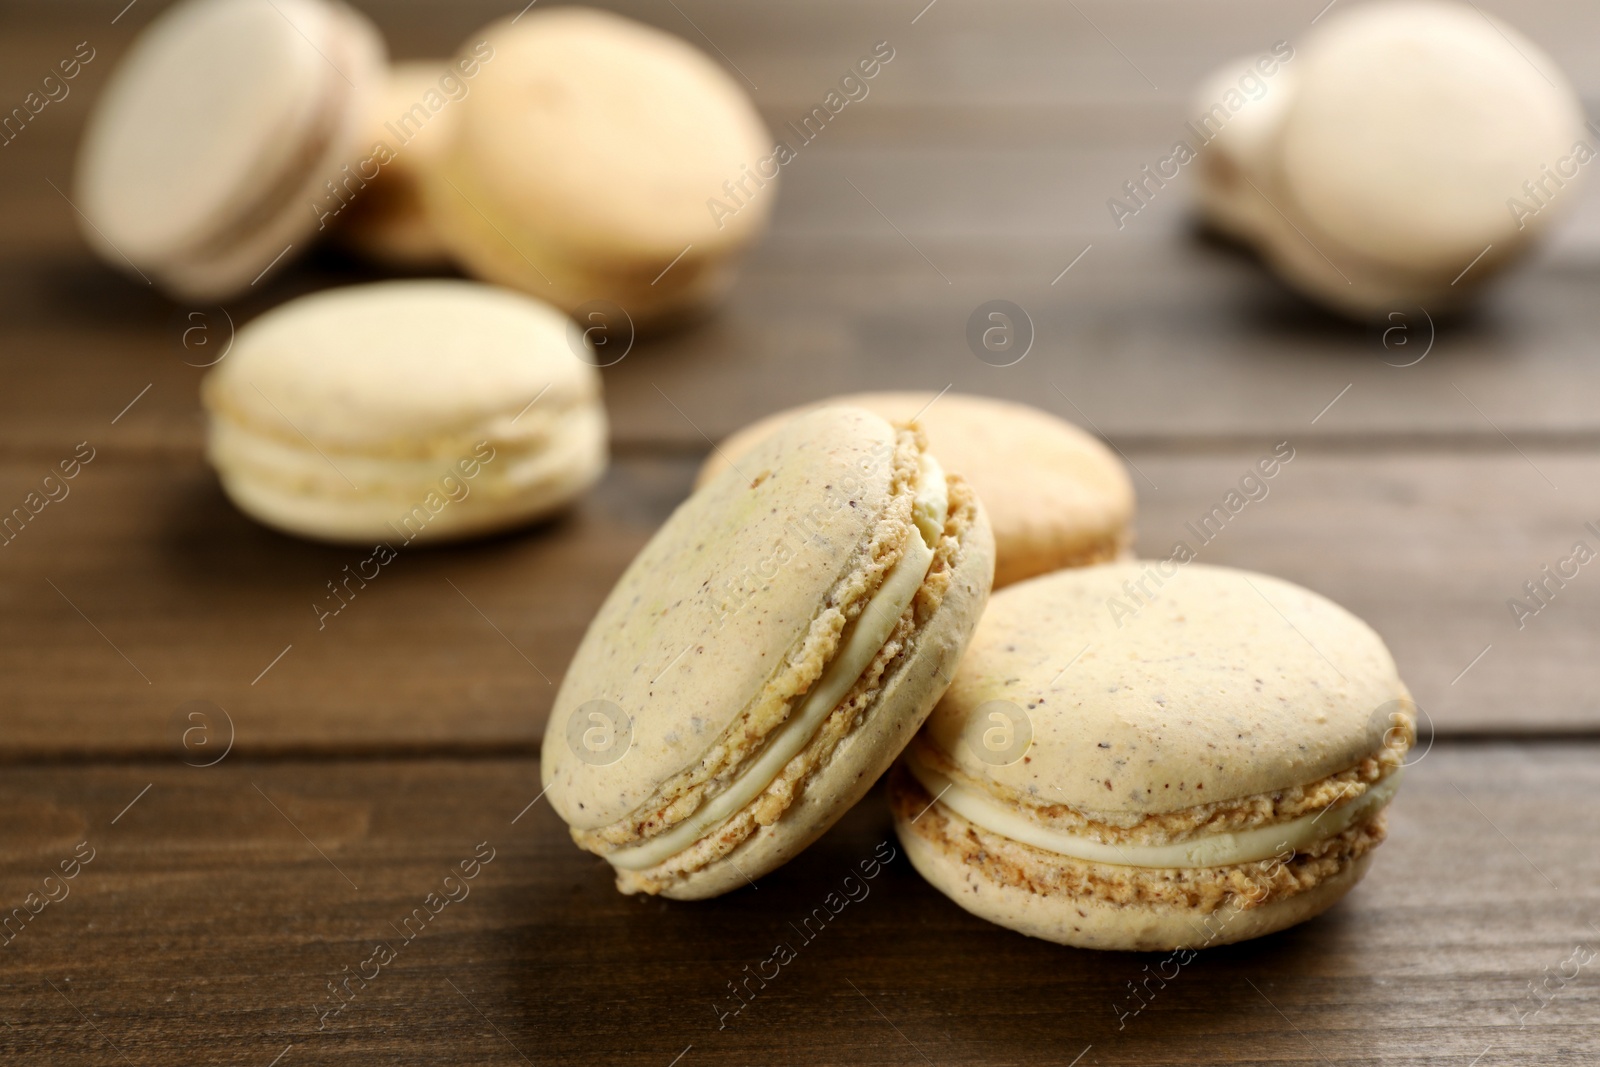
pixel 1056 496
pixel 1136 757
pixel 212 142
pixel 405 411
pixel 1407 152
pixel 767 655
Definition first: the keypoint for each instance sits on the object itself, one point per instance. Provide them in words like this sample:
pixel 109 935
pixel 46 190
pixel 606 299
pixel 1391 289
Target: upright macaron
pixel 586 161
pixel 767 655
pixel 1404 154
pixel 405 411
pixel 1149 755
pixel 214 140
pixel 1056 496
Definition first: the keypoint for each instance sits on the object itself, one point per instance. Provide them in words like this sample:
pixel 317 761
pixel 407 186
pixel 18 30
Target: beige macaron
pixel 212 144
pixel 384 219
pixel 767 655
pixel 586 163
pixel 1055 495
pixel 405 411
pixel 1405 154
pixel 1156 755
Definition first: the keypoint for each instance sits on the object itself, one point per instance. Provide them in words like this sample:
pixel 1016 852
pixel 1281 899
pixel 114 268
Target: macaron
pixel 208 150
pixel 1411 151
pixel 590 161
pixel 405 411
pixel 1156 755
pixel 385 220
pixel 767 655
pixel 1056 496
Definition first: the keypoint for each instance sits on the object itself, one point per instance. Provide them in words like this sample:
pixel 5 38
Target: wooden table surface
pixel 213 904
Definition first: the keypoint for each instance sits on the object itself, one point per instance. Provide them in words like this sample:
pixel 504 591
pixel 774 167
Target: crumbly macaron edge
pixel 679 796
pixel 1004 861
pixel 771 804
pixel 1170 827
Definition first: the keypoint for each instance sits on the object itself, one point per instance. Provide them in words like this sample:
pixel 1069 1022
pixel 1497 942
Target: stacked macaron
pixel 1405 153
pixel 568 153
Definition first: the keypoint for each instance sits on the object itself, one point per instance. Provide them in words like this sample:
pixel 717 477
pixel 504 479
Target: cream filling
pixel 861 643
pixel 1210 850
pixel 520 462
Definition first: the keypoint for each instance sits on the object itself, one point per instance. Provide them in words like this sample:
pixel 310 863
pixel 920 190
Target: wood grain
pixel 370 757
pixel 460 648
pixel 217 908
pixel 979 167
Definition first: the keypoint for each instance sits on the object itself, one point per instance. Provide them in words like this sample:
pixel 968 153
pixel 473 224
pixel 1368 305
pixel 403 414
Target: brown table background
pixel 372 755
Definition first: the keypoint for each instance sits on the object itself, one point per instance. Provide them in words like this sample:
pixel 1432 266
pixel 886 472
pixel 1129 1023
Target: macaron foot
pixel 1108 906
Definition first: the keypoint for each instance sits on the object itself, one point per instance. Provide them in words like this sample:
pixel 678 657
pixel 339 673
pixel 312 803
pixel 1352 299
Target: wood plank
pixel 144 589
pixel 219 905
pixel 1428 548
pixel 1153 333
pixel 201 601
pixel 1149 344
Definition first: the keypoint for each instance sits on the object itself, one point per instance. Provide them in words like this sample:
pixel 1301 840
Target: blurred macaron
pixel 1400 157
pixel 384 220
pixel 584 164
pixel 402 411
pixel 214 139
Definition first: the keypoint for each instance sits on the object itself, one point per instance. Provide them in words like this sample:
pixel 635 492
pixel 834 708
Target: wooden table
pixel 370 757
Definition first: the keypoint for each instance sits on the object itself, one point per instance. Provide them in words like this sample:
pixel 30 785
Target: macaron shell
pixel 388 221
pixel 656 292
pixel 1365 290
pixel 1413 124
pixel 274 232
pixel 1055 495
pixel 1087 923
pixel 701 624
pixel 209 146
pixel 392 367
pixel 867 752
pixel 232 83
pixel 1227 685
pixel 400 500
pixel 606 134
pixel 1233 165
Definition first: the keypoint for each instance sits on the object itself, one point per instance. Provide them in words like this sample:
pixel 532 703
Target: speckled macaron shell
pixel 1089 923
pixel 868 751
pixel 334 414
pixel 1227 685
pixel 1412 124
pixel 210 143
pixel 683 643
pixel 585 161
pixel 1055 496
